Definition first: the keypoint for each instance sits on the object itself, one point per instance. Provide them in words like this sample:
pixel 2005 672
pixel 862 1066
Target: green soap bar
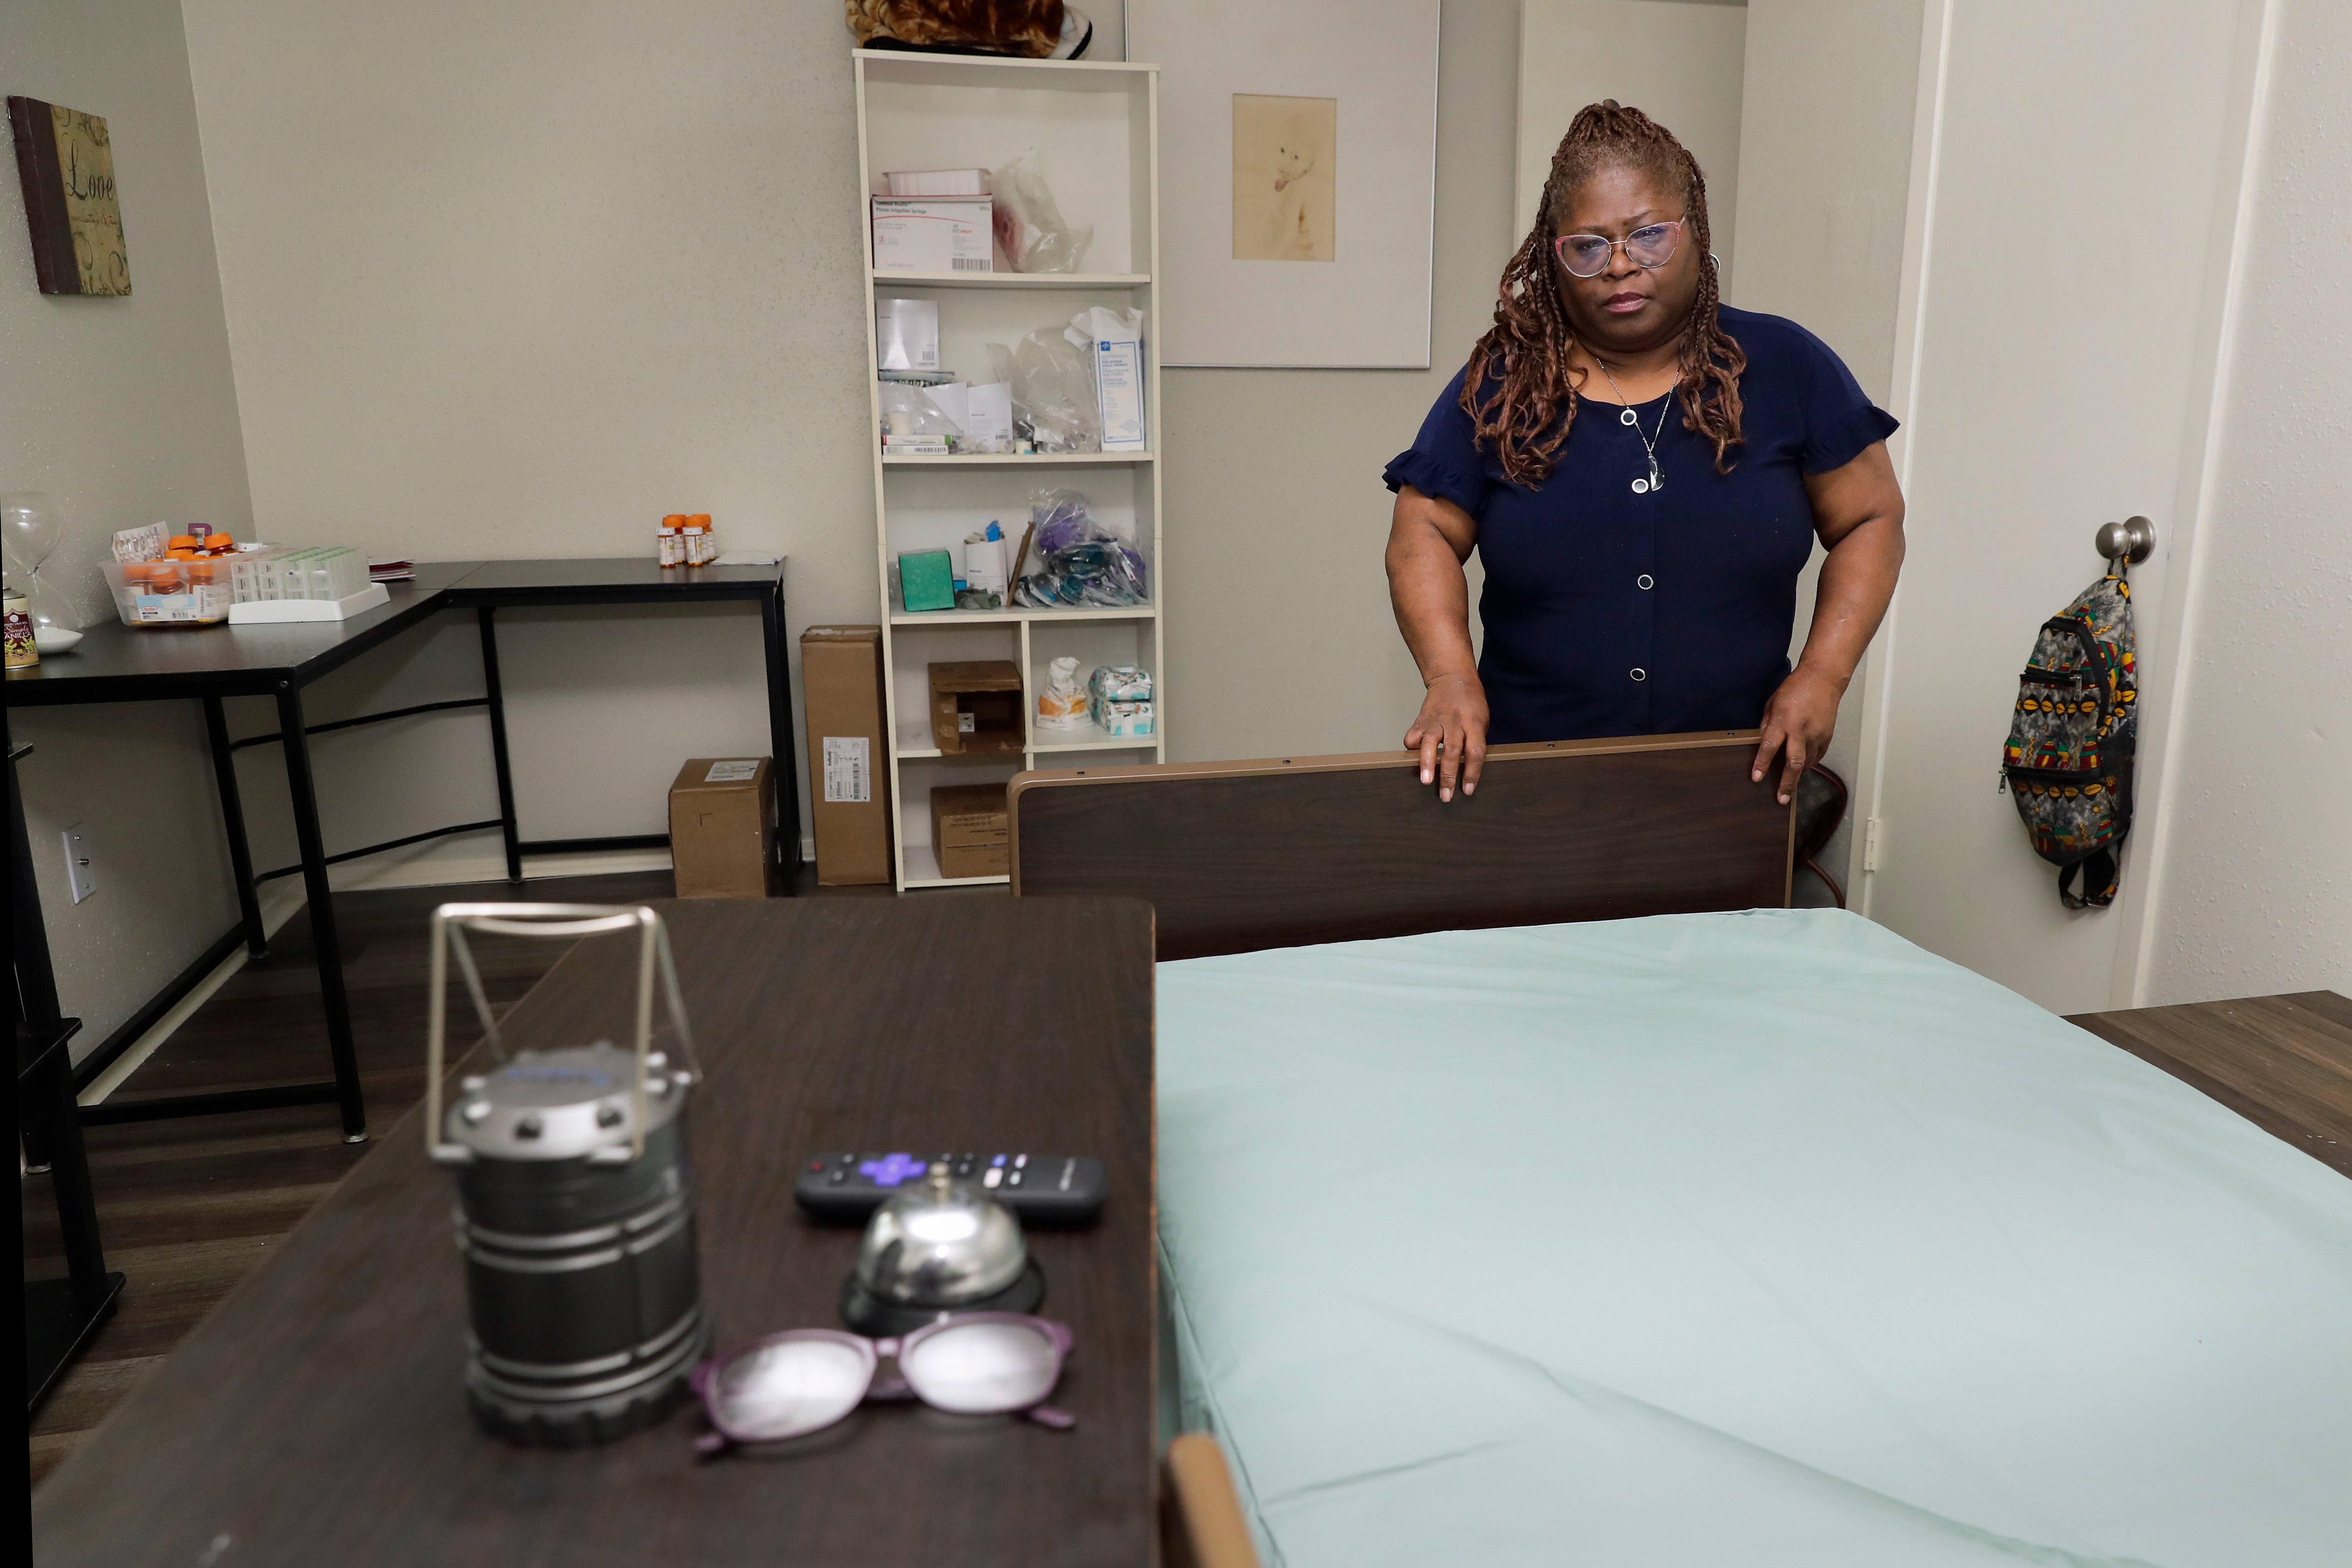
pixel 927 579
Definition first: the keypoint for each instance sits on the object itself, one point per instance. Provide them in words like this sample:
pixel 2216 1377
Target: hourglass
pixel 31 524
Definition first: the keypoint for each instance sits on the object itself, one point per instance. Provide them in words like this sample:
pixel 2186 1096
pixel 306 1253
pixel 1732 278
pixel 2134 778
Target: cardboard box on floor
pixel 976 708
pixel 849 785
pixel 722 827
pixel 970 832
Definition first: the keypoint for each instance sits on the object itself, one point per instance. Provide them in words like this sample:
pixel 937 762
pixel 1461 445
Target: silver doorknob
pixel 2133 539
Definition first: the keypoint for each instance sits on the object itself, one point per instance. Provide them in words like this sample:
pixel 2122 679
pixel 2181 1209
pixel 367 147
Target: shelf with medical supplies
pixel 898 277
pixel 1010 219
pixel 1012 616
pixel 1013 459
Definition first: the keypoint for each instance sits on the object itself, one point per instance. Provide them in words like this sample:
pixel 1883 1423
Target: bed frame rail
pixel 1278 853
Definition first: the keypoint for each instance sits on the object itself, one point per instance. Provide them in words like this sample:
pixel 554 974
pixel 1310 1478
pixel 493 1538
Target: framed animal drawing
pixel 1297 178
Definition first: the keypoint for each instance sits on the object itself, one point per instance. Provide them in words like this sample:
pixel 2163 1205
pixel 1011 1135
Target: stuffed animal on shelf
pixel 1033 29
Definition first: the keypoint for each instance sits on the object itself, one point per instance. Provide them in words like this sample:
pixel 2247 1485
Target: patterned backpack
pixel 2069 759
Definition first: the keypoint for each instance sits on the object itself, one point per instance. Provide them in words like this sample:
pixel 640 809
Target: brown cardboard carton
pixel 722 827
pixel 976 708
pixel 970 832
pixel 849 773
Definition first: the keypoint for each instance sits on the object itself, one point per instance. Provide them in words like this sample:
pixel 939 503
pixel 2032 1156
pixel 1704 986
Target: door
pixel 2076 179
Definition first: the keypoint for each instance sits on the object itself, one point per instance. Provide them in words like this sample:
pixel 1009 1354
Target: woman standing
pixel 1641 568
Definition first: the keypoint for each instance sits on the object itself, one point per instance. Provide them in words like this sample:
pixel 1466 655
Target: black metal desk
pixel 59 1314
pixel 119 663
pixel 521 584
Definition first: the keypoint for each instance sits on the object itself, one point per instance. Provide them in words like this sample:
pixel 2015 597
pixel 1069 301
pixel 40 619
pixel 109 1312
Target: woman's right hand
pixel 1451 733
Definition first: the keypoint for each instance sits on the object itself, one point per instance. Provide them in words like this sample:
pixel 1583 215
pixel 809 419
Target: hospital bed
pixel 1664 1227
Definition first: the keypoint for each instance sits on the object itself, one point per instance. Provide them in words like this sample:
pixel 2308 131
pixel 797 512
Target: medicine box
pixel 969 833
pixel 1119 393
pixel 722 827
pixel 976 708
pixel 849 777
pixel 934 233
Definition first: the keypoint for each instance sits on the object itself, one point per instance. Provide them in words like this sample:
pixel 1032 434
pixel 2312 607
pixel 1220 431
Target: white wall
pixel 2049 391
pixel 2254 850
pixel 1824 174
pixel 1279 634
pixel 123 409
pixel 515 281
pixel 1679 62
pixel 510 319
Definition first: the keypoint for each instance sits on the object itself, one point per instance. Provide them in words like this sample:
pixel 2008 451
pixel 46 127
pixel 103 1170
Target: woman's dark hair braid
pixel 1526 410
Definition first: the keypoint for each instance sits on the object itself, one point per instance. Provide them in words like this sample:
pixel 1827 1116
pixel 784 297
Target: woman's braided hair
pixel 1527 407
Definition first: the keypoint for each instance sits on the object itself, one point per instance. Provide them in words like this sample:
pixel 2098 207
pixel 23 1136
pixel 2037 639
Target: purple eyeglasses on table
pixel 802 1380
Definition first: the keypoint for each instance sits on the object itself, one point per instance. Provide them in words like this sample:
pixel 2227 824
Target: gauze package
pixel 988 418
pixel 907 334
pixel 1112 341
pixel 1063 704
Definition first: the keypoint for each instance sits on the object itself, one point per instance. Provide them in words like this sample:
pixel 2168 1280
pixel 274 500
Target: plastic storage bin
pixel 170 593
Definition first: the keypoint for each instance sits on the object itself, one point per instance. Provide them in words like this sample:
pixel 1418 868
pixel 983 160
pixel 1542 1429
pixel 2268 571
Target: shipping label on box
pixel 848 770
pixel 932 233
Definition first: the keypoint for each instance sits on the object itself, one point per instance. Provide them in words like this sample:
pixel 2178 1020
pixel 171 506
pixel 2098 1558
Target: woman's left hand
pixel 1800 718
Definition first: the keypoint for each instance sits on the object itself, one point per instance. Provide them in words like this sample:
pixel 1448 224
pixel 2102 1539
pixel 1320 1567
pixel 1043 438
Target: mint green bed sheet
pixel 1744 1240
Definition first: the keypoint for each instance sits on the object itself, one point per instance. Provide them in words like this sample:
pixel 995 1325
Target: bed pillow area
pixel 1741 1238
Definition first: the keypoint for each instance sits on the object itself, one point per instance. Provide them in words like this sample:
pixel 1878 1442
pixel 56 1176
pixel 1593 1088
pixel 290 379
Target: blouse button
pixel 1645 583
pixel 1640 675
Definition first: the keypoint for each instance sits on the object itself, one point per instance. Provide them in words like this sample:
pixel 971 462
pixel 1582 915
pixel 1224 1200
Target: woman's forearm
pixel 1856 581
pixel 1430 592
pixel 1428 542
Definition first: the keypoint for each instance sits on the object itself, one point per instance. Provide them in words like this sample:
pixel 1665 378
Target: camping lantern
pixel 576 1211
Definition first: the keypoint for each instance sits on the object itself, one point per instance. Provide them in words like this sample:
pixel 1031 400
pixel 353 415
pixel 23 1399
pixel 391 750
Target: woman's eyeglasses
pixel 795 1382
pixel 1649 247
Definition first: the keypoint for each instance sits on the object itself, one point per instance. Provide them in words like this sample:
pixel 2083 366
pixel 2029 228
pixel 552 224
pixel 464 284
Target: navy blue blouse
pixel 1610 612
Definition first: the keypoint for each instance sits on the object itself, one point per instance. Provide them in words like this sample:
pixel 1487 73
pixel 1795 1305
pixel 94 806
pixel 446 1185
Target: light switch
pixel 80 876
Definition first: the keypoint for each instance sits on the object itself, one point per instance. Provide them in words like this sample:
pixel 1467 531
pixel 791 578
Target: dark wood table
pixel 315 1417
pixel 120 664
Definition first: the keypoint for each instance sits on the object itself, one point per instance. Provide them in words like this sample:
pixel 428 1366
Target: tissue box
pixel 1119 699
pixel 927 579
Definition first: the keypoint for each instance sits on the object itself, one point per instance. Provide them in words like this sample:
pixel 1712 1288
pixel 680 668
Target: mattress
pixel 1734 1239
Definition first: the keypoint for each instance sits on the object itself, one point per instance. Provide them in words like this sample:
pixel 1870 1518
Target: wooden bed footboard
pixel 1200 1521
pixel 1284 852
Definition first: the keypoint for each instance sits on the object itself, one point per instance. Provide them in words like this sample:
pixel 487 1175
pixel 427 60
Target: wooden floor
pixel 188 1207
pixel 2284 1063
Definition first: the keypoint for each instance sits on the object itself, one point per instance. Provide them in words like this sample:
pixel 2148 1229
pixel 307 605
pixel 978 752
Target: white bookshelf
pixel 1095 124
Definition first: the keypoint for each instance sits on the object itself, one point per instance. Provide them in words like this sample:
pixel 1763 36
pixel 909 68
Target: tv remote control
pixel 1040 1189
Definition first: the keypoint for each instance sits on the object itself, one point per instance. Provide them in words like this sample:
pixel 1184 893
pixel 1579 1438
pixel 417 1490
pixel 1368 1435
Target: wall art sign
pixel 65 163
pixel 1298 148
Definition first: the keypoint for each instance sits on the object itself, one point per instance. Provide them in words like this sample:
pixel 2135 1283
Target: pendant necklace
pixel 1625 416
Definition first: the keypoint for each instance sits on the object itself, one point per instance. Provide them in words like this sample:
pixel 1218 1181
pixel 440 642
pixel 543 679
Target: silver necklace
pixel 1625 416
